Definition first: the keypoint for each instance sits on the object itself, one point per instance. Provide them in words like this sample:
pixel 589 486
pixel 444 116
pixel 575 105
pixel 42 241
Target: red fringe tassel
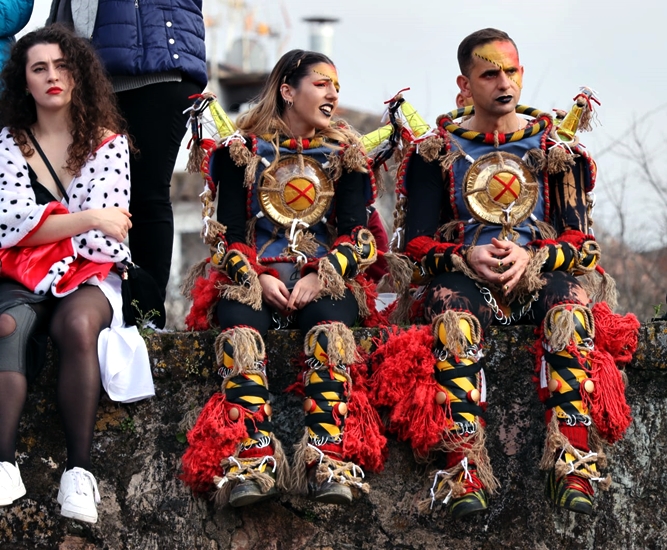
pixel 364 442
pixel 615 343
pixel 616 334
pixel 204 295
pixel 214 437
pixel 403 380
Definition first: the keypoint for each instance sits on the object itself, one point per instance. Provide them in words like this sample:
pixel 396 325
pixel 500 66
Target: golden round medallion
pixel 296 188
pixel 500 189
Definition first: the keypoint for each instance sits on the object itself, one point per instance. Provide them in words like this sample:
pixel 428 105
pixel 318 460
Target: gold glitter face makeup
pixel 329 73
pixel 503 55
pixel 313 101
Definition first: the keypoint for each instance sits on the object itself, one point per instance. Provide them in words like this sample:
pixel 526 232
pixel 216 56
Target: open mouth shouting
pixel 327 109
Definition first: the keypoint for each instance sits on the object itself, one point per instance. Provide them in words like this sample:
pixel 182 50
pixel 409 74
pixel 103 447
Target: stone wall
pixel 144 506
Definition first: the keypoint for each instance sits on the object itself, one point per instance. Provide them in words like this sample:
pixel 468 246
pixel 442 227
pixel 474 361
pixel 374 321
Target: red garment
pixel 379 267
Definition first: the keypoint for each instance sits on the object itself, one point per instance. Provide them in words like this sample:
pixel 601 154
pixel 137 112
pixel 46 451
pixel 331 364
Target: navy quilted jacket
pixel 136 37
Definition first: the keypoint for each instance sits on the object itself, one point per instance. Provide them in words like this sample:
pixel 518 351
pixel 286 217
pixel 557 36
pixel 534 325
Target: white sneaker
pixel 11 484
pixel 78 495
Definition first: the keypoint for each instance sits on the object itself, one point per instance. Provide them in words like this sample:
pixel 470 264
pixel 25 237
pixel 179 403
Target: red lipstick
pixel 54 90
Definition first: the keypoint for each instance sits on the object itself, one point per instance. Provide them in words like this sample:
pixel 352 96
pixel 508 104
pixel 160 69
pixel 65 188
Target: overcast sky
pixel 381 46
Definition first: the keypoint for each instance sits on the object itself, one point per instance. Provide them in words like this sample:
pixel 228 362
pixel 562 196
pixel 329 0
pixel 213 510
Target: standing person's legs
pixel 76 324
pixel 157 125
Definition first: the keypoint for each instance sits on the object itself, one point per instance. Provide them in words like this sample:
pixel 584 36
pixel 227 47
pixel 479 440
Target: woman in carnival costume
pixel 65 195
pixel 288 249
pixel 494 227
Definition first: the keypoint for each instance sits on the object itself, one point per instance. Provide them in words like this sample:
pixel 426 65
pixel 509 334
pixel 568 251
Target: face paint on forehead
pixel 503 55
pixel 328 72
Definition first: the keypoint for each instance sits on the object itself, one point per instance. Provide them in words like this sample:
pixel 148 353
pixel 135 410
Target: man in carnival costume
pixel 493 221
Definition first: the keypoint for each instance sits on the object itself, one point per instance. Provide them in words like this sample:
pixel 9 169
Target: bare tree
pixel 634 247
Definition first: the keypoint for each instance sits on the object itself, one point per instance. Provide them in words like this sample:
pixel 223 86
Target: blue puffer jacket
pixel 14 15
pixel 138 37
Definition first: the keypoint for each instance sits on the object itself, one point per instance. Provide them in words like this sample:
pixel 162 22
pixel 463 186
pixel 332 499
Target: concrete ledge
pixel 137 449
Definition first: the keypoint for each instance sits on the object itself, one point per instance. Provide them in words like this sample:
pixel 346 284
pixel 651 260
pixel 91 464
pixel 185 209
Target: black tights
pixel 76 322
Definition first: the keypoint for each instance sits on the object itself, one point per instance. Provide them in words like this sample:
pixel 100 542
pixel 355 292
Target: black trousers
pixel 156 123
pixel 231 314
pixel 458 292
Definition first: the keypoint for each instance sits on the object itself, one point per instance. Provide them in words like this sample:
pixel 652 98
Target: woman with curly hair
pixel 289 248
pixel 64 194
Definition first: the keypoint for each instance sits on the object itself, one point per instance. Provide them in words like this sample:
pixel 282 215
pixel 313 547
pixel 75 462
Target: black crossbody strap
pixel 48 165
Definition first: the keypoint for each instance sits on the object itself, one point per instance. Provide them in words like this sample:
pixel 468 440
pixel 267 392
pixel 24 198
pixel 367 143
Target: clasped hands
pixel 500 262
pixel 275 292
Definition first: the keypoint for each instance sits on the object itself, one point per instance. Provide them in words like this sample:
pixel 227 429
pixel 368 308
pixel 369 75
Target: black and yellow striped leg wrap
pixel 326 390
pixel 245 384
pixel 458 368
pixel 464 484
pixel 568 326
pixel 319 459
pixel 258 467
pixel 250 393
pixel 565 378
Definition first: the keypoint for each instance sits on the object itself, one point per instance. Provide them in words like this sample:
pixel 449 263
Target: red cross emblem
pixel 506 185
pixel 297 192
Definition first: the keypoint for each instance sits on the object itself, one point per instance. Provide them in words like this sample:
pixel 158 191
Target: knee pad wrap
pixel 13 346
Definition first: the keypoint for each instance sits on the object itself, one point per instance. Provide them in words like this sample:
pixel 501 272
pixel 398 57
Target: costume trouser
pixel 245 447
pixel 460 312
pixel 156 124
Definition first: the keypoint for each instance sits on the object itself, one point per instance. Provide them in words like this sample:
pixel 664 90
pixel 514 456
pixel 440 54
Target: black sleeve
pixel 351 202
pixel 426 192
pixel 568 199
pixel 232 195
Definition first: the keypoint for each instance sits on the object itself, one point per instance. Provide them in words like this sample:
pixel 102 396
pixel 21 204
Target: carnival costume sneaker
pixel 11 484
pixel 78 495
pixel 570 491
